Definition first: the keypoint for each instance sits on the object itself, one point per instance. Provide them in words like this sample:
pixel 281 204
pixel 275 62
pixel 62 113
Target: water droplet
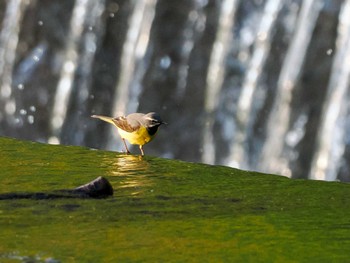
pixel 30 119
pixel 165 62
pixel 18 121
pixel 32 108
pixel 20 86
pixel 329 52
pixel 22 112
pixel 40 23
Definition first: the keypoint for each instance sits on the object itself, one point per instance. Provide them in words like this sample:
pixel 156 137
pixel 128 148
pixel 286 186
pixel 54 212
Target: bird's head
pixel 153 119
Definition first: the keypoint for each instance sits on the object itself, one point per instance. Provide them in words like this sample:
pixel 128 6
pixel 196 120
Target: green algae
pixel 164 211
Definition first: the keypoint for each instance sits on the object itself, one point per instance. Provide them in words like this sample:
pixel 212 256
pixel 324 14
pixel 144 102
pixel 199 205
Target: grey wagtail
pixel 136 128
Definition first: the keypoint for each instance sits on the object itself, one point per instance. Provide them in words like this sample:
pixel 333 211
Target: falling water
pixel 272 158
pixel 215 81
pixel 134 49
pixel 65 84
pixel 8 44
pixel 29 65
pixel 73 129
pixel 194 25
pixel 215 76
pixel 331 141
pixel 238 156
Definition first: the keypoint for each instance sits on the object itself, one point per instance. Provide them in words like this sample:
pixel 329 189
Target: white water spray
pixel 238 152
pixel 215 76
pixel 272 159
pixel 9 36
pixel 330 139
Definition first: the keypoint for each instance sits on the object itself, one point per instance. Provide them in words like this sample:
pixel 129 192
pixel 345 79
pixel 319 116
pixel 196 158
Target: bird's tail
pixel 104 118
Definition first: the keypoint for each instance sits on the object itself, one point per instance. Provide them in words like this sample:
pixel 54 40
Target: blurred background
pixel 256 84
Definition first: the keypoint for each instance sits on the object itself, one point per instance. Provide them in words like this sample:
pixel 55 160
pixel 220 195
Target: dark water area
pixel 258 85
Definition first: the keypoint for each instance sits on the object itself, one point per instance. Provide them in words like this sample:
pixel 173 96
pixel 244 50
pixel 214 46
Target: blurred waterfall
pixel 9 36
pixel 261 85
pixel 65 84
pixel 330 137
pixel 132 69
pixel 273 157
pixel 81 91
pixel 215 76
pixel 245 108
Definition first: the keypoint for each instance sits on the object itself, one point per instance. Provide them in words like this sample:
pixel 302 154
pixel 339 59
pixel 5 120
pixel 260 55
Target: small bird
pixel 136 128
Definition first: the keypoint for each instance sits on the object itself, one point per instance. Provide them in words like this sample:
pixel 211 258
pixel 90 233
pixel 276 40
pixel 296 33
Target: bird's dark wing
pixel 122 123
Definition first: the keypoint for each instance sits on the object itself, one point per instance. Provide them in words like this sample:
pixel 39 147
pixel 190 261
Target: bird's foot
pixel 126 152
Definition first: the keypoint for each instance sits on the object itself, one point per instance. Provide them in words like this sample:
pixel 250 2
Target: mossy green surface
pixel 164 211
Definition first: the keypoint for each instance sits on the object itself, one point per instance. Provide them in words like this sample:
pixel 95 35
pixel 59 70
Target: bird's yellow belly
pixel 139 137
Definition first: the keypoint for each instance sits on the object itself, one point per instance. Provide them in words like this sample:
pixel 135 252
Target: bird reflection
pixel 133 172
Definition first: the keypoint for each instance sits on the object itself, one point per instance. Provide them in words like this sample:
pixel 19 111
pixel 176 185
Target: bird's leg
pixel 142 153
pixel 126 147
